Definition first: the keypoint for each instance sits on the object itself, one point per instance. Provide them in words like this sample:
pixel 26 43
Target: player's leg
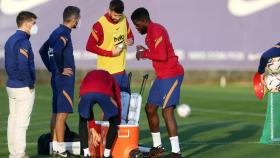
pixel 54 111
pixel 83 133
pixel 171 125
pixel 111 135
pixel 172 96
pixel 153 120
pixel 151 108
pixel 65 93
pixel 60 131
pixel 11 121
pixel 170 121
pixel 111 112
pixel 24 105
pixel 123 82
pixel 53 134
pixel 85 110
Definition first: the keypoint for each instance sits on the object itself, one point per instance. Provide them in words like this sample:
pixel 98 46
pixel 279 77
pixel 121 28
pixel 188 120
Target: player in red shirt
pixel 99 87
pixel 165 91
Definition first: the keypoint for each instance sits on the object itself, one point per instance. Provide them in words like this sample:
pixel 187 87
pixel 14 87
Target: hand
pixel 67 72
pixel 95 137
pixel 116 51
pixel 129 42
pixel 31 90
pixel 140 48
pixel 139 55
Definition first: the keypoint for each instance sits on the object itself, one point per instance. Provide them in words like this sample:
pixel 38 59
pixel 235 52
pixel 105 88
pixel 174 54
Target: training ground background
pixel 224 123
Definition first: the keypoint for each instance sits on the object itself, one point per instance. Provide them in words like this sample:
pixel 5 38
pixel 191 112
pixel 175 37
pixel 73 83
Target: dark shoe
pixel 156 152
pixel 107 157
pixel 54 153
pixel 174 155
pixel 87 157
pixel 63 155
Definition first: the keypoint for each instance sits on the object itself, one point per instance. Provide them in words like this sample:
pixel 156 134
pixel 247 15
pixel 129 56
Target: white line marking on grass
pixel 190 143
pixel 228 112
pixel 220 143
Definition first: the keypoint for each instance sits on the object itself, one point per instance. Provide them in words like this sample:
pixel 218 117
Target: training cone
pixel 258 86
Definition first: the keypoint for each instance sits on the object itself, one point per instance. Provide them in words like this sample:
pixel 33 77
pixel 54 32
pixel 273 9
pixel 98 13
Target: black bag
pixel 43 143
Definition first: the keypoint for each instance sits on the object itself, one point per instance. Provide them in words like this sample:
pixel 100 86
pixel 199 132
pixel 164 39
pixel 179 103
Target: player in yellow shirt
pixel 109 39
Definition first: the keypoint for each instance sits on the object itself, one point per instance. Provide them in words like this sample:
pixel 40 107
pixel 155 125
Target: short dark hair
pixel 140 14
pixel 70 12
pixel 24 16
pixel 117 6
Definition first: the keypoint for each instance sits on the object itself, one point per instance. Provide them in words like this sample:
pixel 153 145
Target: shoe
pixel 54 153
pixel 86 157
pixel 156 152
pixel 63 154
pixel 107 157
pixel 174 155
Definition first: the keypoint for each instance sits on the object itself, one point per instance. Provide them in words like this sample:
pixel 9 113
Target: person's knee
pixel 168 112
pixel 150 110
pixel 22 125
pixel 61 117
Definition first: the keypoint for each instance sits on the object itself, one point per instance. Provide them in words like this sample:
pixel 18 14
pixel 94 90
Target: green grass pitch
pixel 225 123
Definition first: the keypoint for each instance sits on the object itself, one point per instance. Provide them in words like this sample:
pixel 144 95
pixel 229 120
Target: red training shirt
pixel 161 52
pixel 100 81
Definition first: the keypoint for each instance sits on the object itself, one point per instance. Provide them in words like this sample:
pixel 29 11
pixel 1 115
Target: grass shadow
pixel 232 136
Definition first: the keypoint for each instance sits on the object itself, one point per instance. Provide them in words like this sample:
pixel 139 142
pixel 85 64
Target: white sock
pixel 156 139
pixel 175 144
pixel 86 152
pixel 54 145
pixel 61 147
pixel 107 152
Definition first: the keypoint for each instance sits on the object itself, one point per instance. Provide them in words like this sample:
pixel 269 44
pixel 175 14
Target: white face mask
pixel 34 29
pixel 79 24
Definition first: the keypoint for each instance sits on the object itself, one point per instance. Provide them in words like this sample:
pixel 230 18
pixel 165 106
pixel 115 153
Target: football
pixel 273 82
pixel 184 110
pixel 273 65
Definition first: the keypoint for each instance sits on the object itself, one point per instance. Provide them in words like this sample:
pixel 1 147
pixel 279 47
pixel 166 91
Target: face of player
pixel 116 17
pixel 30 27
pixel 141 26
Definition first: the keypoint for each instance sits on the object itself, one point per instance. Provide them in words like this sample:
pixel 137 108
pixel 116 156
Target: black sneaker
pixel 156 152
pixel 174 155
pixel 86 157
pixel 107 157
pixel 64 154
